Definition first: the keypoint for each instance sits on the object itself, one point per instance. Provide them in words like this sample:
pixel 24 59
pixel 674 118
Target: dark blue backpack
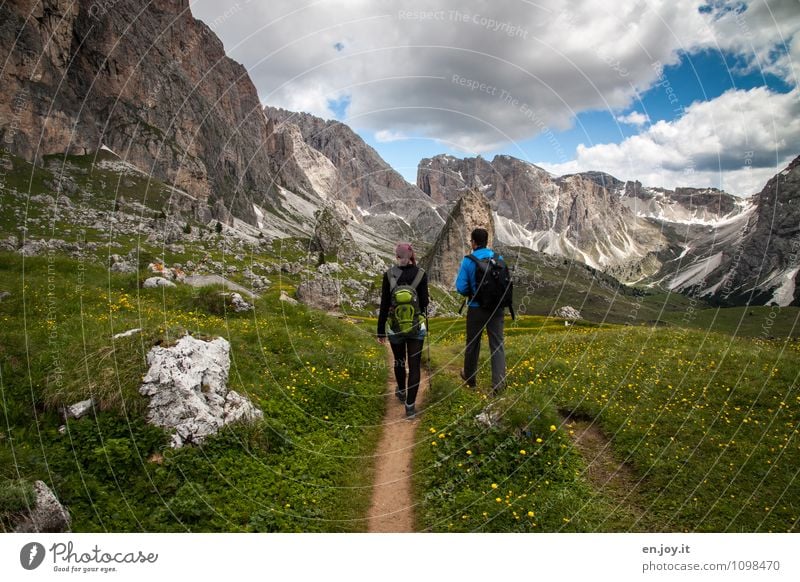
pixel 495 288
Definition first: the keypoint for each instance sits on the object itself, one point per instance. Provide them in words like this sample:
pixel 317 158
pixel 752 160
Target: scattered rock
pixel 285 297
pixel 321 292
pixel 568 312
pixel 173 274
pixel 331 235
pixel 488 418
pixel 187 386
pixel 291 268
pixel 33 248
pixel 47 515
pixel 329 268
pixel 79 410
pixel 45 199
pixel 9 244
pixel 4 294
pixel 257 281
pixel 121 265
pixel 239 304
pixel 154 282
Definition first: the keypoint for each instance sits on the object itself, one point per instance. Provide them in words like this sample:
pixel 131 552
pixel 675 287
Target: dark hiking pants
pixel 408 352
pixel 493 322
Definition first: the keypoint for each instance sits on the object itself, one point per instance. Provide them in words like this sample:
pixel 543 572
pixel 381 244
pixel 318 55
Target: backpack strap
pixel 478 268
pixel 393 275
pixel 418 279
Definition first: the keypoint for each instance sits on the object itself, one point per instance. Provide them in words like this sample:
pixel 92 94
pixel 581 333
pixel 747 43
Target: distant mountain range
pixel 154 85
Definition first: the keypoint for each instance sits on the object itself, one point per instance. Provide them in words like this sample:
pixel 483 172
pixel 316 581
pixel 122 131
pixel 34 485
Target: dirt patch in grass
pixel 605 472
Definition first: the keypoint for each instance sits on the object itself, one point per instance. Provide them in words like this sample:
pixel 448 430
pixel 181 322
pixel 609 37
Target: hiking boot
pixel 401 395
pixel 469 383
pixel 411 412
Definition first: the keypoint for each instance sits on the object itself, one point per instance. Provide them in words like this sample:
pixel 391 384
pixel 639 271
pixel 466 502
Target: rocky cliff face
pixel 329 158
pixel 764 268
pixel 148 81
pixel 515 189
pixel 443 259
pixel 299 167
pixel 367 180
pixel 751 258
pixel 575 216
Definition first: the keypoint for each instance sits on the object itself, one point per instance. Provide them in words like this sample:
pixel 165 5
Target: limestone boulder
pixel 188 389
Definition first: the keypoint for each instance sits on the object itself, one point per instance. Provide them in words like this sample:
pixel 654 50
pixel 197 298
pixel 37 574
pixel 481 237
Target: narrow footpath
pixel 392 507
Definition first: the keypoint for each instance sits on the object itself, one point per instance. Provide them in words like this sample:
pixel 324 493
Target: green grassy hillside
pixel 305 467
pixel 707 425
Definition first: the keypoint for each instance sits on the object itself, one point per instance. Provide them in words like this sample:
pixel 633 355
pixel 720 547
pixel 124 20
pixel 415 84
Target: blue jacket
pixel 466 283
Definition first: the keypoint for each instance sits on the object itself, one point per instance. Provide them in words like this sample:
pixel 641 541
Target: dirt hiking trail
pixel 392 506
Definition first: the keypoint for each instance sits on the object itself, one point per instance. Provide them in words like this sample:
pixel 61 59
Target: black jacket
pixel 409 273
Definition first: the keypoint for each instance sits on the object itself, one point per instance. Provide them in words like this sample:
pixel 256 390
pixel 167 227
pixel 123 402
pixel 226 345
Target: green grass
pixel 708 424
pixel 305 467
pixel 757 321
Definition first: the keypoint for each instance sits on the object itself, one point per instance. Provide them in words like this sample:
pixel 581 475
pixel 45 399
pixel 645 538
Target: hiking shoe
pixel 467 382
pixel 401 395
pixel 411 412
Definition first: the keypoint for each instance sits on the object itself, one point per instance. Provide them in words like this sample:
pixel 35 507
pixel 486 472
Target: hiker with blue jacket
pixel 404 302
pixel 486 313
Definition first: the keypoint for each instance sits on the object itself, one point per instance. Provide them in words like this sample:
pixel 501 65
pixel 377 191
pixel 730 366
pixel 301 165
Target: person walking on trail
pixel 401 320
pixel 480 317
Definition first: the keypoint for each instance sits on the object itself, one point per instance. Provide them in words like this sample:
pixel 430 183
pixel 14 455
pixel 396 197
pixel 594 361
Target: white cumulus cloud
pixel 633 118
pixel 479 75
pixel 736 141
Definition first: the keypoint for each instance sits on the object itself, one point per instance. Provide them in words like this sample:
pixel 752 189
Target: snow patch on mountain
pixel 784 294
pixel 696 273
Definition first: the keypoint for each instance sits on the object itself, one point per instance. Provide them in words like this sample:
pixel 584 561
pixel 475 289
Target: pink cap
pixel 405 254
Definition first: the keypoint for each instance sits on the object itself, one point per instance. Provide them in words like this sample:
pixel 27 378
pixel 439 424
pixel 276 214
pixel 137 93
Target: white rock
pixel 47 515
pixel 187 386
pixel 121 265
pixel 487 419
pixel 285 297
pixel 239 304
pixel 568 312
pixel 329 268
pixel 79 409
pixel 154 282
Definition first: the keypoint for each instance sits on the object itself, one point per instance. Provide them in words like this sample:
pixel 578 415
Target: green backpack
pixel 404 312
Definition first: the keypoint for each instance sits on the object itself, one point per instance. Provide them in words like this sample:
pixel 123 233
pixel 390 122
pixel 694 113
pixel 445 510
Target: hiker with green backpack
pixel 401 320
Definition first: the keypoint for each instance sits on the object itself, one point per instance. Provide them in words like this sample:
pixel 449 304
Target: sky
pixel 668 92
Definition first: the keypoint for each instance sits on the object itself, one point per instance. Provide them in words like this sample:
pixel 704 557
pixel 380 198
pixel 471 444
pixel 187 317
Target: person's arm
pixel 463 281
pixel 383 311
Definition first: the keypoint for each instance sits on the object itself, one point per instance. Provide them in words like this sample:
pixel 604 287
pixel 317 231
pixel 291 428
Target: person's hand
pixel 382 339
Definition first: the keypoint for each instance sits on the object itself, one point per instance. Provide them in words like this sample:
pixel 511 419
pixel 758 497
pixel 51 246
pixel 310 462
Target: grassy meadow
pixel 305 467
pixel 705 426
